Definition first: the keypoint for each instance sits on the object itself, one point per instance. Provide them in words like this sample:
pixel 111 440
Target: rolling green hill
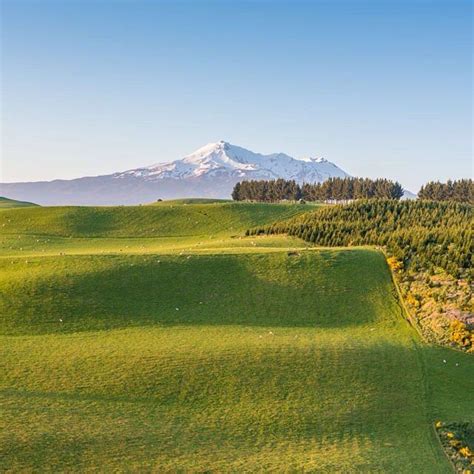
pixel 200 355
pixel 165 219
pixel 190 201
pixel 170 226
pixel 6 203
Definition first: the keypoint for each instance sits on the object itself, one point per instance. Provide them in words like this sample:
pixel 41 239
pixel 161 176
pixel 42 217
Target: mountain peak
pixel 210 171
pixel 218 144
pixel 224 160
pixel 210 148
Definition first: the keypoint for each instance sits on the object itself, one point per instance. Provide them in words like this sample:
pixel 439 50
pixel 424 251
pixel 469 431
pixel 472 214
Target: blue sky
pixel 380 87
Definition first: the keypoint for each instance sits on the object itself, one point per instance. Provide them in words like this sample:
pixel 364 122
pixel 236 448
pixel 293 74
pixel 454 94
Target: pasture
pixel 158 338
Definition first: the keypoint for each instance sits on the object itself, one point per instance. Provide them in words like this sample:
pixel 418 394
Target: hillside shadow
pixel 92 293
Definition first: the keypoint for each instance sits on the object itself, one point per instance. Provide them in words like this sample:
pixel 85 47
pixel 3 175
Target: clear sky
pixel 380 87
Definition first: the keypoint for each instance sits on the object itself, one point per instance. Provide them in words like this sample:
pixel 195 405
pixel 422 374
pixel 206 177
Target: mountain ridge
pixel 236 161
pixel 211 171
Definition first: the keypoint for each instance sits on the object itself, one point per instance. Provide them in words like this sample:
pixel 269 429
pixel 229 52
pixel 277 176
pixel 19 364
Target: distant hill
pixel 6 203
pixel 165 219
pixel 209 172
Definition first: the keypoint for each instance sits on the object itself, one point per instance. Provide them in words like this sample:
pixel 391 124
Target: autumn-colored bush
pixel 456 439
pixel 394 264
pixel 461 335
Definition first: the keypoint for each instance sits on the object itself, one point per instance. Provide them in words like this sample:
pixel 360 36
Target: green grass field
pixel 156 338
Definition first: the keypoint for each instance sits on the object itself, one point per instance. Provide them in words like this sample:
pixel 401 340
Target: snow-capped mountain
pixel 211 171
pixel 223 159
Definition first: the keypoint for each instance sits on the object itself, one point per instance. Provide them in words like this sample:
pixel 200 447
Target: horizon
pixel 373 87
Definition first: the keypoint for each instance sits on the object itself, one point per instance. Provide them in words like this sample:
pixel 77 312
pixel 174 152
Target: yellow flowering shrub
pixel 465 451
pixel 457 440
pixel 394 264
pixel 461 335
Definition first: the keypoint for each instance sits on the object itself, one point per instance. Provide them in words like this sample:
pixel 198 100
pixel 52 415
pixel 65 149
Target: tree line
pixel 422 235
pixel 459 191
pixel 333 189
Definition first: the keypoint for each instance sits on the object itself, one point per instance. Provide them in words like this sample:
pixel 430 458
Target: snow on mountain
pixel 222 159
pixel 211 171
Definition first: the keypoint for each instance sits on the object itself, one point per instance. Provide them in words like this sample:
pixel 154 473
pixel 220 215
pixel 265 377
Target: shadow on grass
pixel 316 289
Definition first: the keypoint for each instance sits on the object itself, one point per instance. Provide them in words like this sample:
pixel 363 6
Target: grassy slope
pixel 271 361
pixel 6 203
pixel 166 226
pixel 167 219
